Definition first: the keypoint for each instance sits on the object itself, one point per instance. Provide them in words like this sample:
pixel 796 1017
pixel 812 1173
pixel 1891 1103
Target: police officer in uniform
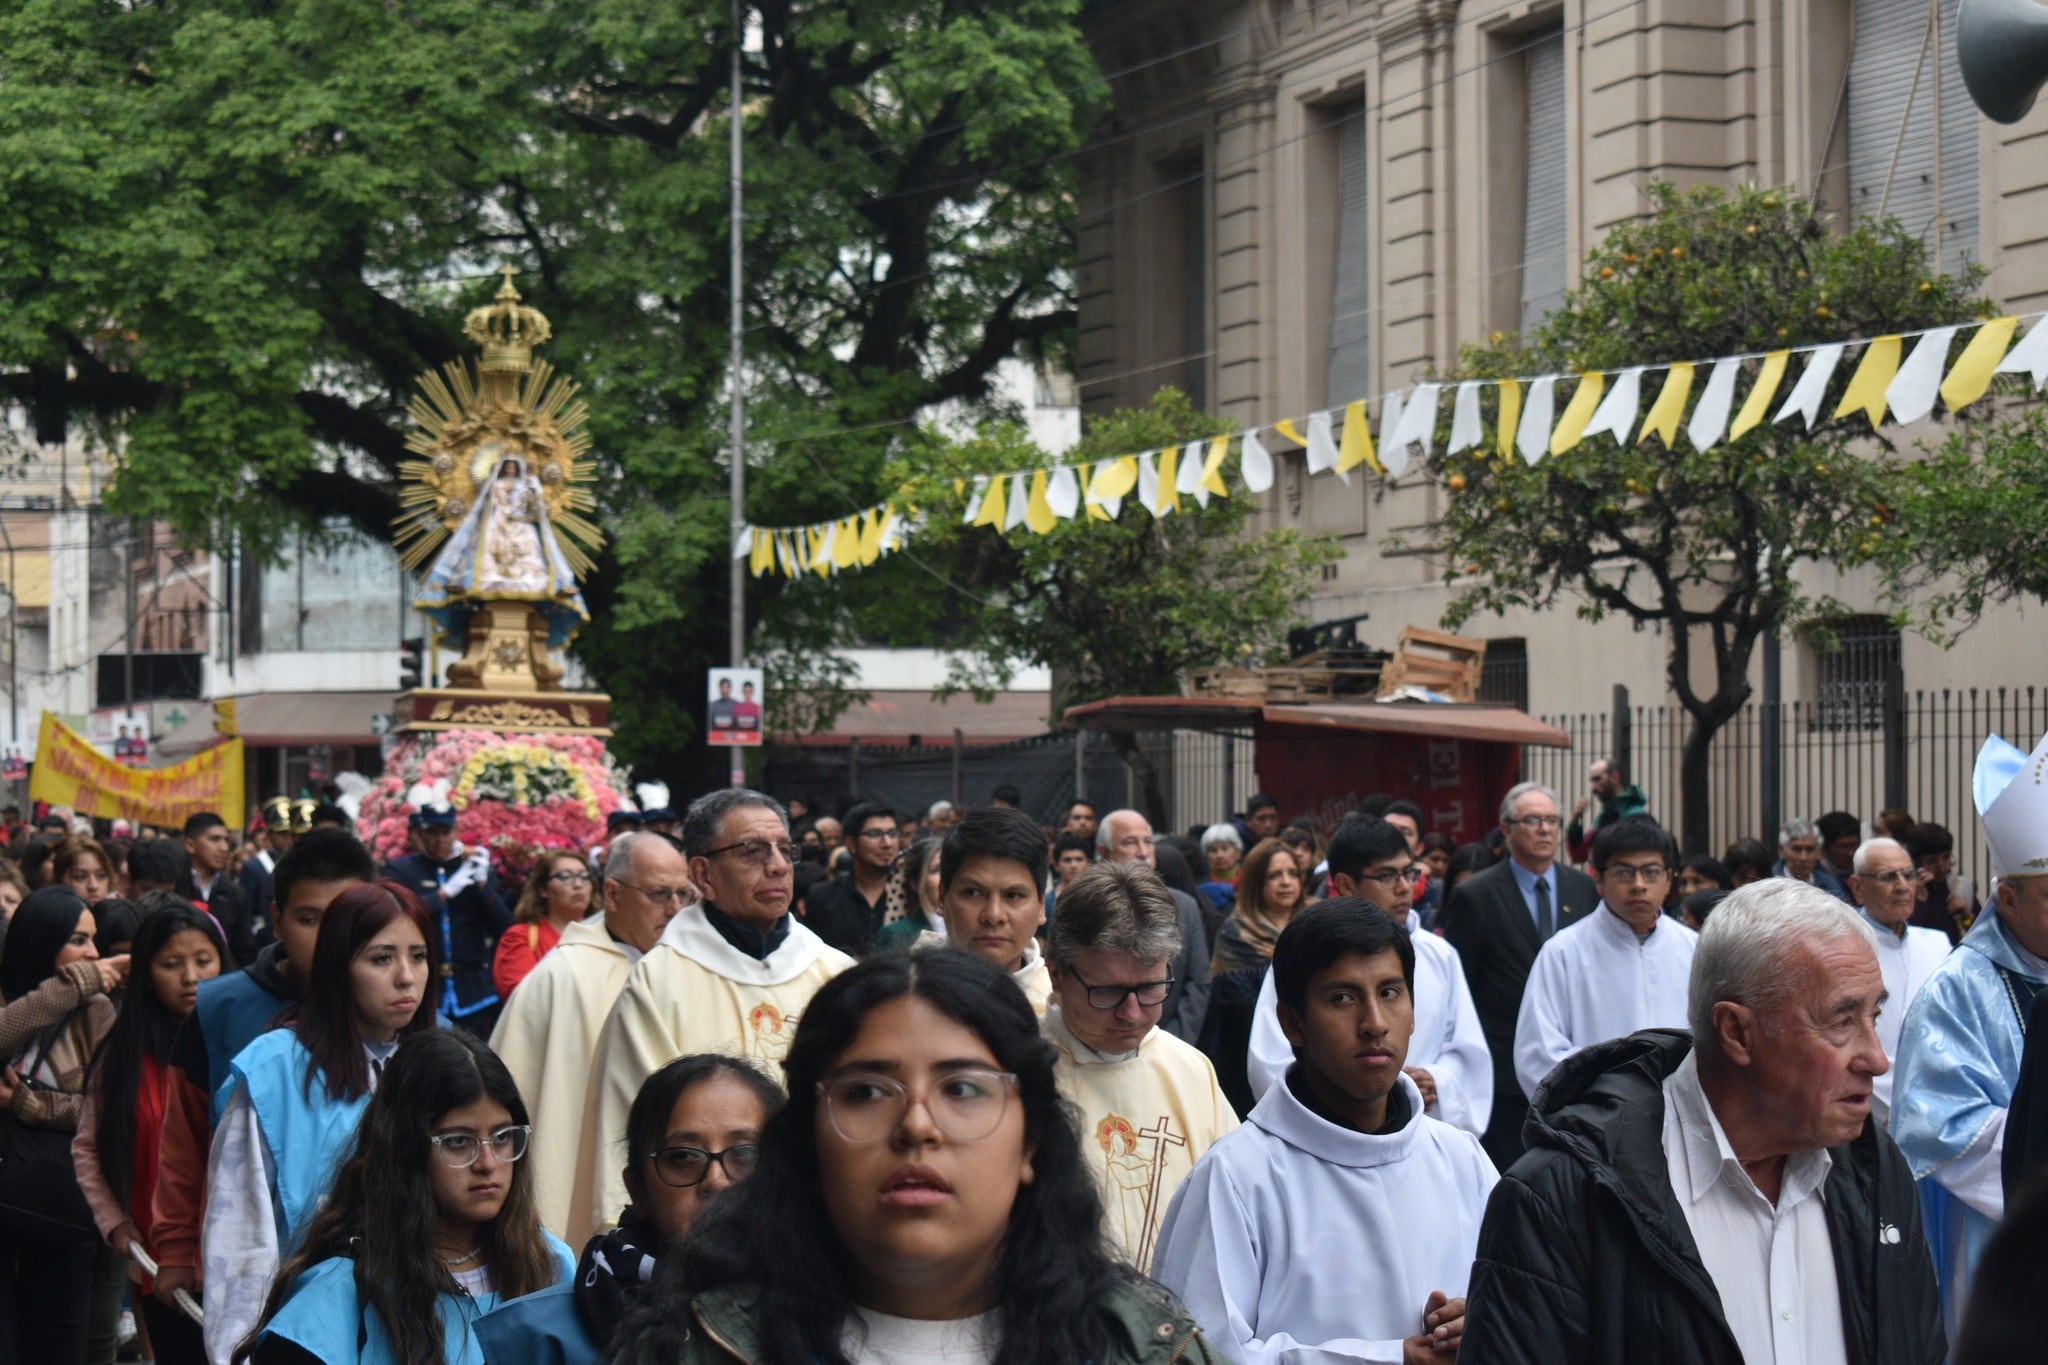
pixel 458 888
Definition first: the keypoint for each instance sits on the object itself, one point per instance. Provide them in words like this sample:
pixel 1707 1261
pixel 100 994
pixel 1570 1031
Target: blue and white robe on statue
pixel 1959 1059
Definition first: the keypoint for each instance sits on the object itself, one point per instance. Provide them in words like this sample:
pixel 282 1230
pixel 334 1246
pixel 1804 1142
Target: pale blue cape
pixel 307 1133
pixel 325 1316
pixel 448 593
pixel 1959 1058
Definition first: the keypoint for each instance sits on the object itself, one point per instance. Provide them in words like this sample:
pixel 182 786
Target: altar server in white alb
pixel 1148 1103
pixel 1622 968
pixel 1339 1223
pixel 1447 1056
pixel 1884 882
pixel 1961 1043
pixel 548 1032
pixel 732 973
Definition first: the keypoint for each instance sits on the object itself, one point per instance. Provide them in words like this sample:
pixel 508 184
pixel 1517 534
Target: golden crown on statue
pixel 507 330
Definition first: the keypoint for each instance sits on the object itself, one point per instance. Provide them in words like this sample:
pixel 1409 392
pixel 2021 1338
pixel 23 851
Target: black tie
pixel 1544 926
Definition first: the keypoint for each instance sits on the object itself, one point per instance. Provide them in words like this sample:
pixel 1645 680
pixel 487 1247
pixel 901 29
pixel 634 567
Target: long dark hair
pixel 35 935
pixel 381 1210
pixel 326 1019
pixel 773 1233
pixel 145 1028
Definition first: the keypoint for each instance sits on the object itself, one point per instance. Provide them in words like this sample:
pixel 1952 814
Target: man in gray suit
pixel 1497 920
pixel 1124 836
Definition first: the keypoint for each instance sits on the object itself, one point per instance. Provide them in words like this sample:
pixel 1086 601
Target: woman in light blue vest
pixel 294 1096
pixel 430 1224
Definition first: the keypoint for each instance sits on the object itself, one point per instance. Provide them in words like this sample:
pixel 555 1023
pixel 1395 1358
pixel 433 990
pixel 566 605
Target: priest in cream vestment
pixel 731 974
pixel 1149 1103
pixel 548 1032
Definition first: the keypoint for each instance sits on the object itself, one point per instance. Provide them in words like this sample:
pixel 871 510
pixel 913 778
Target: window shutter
pixel 1350 372
pixel 1543 205
pixel 1889 37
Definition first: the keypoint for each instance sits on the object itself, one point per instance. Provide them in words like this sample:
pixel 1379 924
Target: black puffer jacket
pixel 1585 1256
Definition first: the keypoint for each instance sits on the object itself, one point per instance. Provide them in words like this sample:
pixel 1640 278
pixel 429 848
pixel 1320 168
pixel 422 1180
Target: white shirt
pixel 1773 1266
pixel 1296 1240
pixel 873 1338
pixel 1596 980
pixel 1907 960
pixel 1447 1042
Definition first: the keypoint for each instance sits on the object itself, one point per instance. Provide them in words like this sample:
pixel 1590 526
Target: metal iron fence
pixel 1860 754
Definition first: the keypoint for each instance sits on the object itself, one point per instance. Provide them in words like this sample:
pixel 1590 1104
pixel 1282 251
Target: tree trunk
pixel 1693 783
pixel 1151 795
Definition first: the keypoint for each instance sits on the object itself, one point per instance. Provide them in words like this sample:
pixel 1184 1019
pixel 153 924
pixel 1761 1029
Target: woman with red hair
pixel 295 1096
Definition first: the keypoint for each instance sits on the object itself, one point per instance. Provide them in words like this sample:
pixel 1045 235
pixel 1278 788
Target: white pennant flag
pixel 1468 429
pixel 824 554
pixel 1189 477
pixel 1532 438
pixel 1390 421
pixel 2030 357
pixel 743 543
pixel 1417 427
pixel 1807 395
pixel 1710 419
pixel 1255 466
pixel 1322 450
pixel 974 502
pixel 1914 388
pixel 1016 504
pixel 1616 415
pixel 1063 493
pixel 1148 485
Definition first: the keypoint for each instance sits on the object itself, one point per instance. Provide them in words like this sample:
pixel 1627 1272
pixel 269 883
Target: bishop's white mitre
pixel 2011 789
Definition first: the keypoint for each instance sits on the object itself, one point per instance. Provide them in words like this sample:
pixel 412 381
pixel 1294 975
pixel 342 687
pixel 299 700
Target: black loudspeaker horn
pixel 2002 46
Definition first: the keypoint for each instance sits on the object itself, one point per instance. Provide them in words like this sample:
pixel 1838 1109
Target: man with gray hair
pixel 1497 920
pixel 1722 1195
pixel 1799 858
pixel 1885 882
pixel 1149 1103
pixel 1125 836
pixel 732 972
pixel 550 1026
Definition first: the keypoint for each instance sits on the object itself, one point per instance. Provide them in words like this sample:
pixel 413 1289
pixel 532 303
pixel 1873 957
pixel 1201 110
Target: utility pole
pixel 128 659
pixel 736 641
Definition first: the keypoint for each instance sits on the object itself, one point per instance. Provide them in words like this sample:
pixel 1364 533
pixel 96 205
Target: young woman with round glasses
pixel 430 1223
pixel 922 1196
pixel 694 1130
pixel 557 894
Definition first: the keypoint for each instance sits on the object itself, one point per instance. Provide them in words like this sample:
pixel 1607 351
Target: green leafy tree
pixel 1701 545
pixel 234 233
pixel 1112 608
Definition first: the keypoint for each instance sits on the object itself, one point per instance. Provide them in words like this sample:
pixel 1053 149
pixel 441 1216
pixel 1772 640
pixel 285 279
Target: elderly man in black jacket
pixel 1729 1205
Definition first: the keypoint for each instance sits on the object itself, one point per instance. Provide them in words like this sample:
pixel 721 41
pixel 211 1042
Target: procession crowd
pixel 760 1082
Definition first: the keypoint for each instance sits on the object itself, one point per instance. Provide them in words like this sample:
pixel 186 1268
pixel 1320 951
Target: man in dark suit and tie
pixel 1497 920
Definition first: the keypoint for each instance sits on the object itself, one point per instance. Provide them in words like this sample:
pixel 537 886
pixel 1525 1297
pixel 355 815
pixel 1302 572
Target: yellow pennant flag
pixel 870 536
pixel 762 558
pixel 818 561
pixel 993 505
pixel 1971 376
pixel 1357 447
pixel 1866 391
pixel 1115 478
pixel 1169 478
pixel 1510 415
pixel 1290 431
pixel 1669 409
pixel 846 544
pixel 1038 513
pixel 1212 467
pixel 1578 414
pixel 785 555
pixel 1758 404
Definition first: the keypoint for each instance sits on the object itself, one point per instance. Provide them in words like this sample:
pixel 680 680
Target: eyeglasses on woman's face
pixel 570 877
pixel 462 1149
pixel 965 1104
pixel 682 1167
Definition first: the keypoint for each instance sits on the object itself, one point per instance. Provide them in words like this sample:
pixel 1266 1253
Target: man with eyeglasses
pixel 1625 967
pixel 550 1027
pixel 1448 1059
pixel 846 911
pixel 1885 882
pixel 1124 836
pixel 1149 1103
pixel 731 973
pixel 1497 919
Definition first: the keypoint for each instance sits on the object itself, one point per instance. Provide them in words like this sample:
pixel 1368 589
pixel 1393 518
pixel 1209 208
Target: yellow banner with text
pixel 69 771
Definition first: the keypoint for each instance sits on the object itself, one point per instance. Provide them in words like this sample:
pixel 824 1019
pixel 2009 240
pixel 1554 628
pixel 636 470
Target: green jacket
pixel 903 933
pixel 1152 1330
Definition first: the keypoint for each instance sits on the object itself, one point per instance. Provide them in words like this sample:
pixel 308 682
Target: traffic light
pixel 226 720
pixel 411 657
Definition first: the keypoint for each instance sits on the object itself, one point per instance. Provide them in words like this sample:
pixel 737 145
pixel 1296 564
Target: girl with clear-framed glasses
pixel 429 1225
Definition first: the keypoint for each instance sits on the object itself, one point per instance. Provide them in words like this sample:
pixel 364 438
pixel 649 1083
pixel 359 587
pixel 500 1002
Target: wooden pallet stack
pixel 1441 662
pixel 1325 675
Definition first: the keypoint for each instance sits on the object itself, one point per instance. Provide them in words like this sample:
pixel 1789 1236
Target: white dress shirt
pixel 1773 1266
pixel 1907 956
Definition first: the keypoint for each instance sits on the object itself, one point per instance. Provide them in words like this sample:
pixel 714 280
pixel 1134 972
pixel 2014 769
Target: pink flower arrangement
pixel 583 782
